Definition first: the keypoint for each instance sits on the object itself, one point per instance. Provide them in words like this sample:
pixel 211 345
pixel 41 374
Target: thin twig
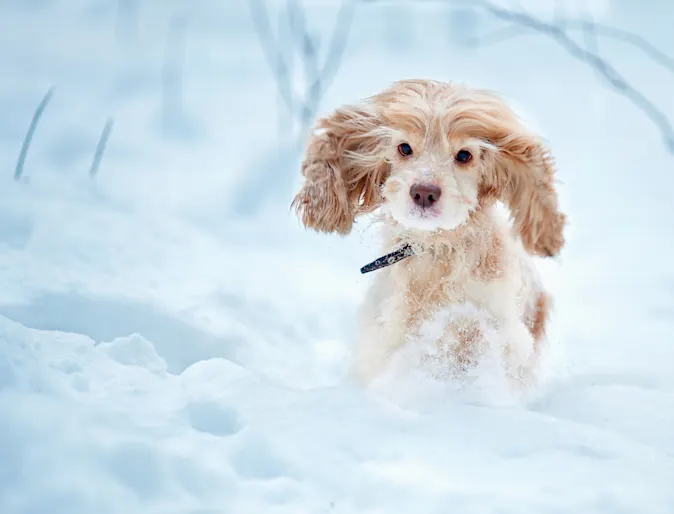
pixel 657 55
pixel 18 172
pixel 318 78
pixel 337 43
pixel 590 35
pixel 100 148
pixel 603 68
pixel 589 32
pixel 521 22
pixel 273 56
pixel 310 58
pixel 607 31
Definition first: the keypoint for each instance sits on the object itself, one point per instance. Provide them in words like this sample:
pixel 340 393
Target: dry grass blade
pixel 18 172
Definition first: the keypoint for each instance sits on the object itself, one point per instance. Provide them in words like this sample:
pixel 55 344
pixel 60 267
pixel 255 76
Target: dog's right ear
pixel 344 167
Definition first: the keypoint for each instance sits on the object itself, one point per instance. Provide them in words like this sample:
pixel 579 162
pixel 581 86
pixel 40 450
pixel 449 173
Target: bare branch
pixel 100 148
pixel 273 56
pixel 320 77
pixel 309 58
pixel 589 32
pixel 603 68
pixel 338 42
pixel 607 31
pixel 317 77
pixel 628 37
pixel 521 23
pixel 18 172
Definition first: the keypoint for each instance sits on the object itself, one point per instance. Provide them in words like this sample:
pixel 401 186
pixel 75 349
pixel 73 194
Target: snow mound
pixel 103 427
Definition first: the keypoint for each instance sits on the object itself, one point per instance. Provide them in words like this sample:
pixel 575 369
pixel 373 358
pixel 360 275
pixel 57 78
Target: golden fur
pixel 464 251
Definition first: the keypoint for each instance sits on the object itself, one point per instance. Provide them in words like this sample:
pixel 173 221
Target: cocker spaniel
pixel 435 159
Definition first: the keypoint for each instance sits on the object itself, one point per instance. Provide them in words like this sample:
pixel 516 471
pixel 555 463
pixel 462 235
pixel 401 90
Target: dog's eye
pixel 405 149
pixel 463 156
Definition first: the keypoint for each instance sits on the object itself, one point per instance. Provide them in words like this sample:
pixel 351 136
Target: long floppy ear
pixel 344 168
pixel 522 175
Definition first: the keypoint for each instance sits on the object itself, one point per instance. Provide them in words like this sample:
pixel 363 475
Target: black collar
pixel 388 259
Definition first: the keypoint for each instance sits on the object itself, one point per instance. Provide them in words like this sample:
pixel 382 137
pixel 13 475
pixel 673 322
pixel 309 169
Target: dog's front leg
pixel 501 300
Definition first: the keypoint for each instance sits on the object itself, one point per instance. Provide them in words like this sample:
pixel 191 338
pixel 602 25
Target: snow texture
pixel 172 341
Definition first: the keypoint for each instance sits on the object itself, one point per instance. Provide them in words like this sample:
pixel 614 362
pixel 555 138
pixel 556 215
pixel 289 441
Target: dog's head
pixel 430 154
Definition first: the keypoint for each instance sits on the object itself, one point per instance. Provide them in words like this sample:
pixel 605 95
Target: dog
pixel 436 162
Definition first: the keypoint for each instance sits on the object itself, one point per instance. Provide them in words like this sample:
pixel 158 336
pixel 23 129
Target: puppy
pixel 435 159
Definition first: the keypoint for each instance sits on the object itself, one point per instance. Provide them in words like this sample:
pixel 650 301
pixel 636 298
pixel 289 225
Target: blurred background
pixel 150 149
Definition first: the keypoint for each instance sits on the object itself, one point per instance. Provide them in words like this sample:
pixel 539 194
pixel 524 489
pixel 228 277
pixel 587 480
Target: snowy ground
pixel 171 341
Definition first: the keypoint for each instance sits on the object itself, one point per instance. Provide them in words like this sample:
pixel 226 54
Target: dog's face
pixel 433 181
pixel 429 153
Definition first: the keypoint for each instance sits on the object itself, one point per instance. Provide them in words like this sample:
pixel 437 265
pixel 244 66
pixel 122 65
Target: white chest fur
pixel 406 300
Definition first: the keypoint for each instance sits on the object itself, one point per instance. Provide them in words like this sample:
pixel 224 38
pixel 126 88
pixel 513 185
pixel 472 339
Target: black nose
pixel 425 195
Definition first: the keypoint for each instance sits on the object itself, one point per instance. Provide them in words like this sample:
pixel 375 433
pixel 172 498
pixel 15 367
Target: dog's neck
pixel 442 241
pixel 471 238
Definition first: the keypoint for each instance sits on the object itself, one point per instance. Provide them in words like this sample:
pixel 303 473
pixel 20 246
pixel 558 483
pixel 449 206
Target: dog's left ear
pixel 344 167
pixel 522 175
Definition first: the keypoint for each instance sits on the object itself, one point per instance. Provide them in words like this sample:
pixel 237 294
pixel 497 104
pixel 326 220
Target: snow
pixel 172 341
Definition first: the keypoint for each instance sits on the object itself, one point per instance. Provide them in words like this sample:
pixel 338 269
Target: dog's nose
pixel 425 195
